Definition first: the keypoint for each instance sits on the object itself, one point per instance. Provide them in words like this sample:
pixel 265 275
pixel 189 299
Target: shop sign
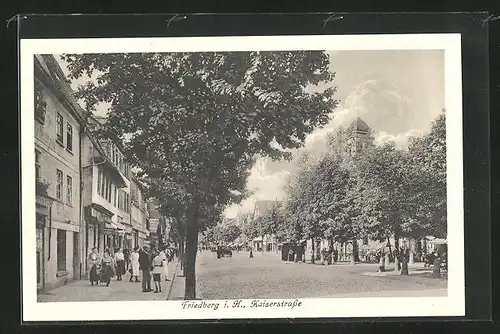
pixel 43 201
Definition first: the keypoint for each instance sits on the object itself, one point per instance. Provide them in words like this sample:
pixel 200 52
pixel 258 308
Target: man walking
pixel 145 266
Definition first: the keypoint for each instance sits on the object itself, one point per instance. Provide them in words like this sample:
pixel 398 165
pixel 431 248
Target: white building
pixel 106 194
pixel 57 163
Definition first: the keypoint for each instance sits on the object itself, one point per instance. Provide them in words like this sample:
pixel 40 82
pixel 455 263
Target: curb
pixel 174 276
pixel 173 280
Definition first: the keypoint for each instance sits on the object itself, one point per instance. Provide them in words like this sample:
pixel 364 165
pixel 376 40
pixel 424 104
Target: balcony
pixel 113 170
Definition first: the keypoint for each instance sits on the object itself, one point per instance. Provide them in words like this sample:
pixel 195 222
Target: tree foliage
pixel 376 192
pixel 194 122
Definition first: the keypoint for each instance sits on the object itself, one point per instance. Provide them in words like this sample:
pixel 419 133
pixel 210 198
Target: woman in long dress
pixel 107 267
pixel 134 264
pixel 94 262
pixel 120 264
pixel 164 258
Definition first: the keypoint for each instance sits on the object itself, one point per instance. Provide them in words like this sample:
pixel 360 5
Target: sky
pixel 397 93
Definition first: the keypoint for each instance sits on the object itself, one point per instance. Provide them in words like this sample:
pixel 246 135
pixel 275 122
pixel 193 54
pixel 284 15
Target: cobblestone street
pixel 266 276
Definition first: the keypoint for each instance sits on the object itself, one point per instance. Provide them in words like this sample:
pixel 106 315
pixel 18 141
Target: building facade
pixel 139 216
pixel 106 194
pixel 57 165
pixel 84 184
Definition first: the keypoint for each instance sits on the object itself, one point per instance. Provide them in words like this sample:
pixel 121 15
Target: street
pixel 266 276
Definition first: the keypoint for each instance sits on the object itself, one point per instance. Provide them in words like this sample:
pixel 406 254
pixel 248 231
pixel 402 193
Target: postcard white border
pixel 452 305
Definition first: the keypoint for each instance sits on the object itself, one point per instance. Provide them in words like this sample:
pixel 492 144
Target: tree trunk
pixel 353 255
pixel 312 251
pixel 397 264
pixel 404 266
pixel 190 255
pixel 181 255
pixel 436 268
pixel 381 267
pixel 389 245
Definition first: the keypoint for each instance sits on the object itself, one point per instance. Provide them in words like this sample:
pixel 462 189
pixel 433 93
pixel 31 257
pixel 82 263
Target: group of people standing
pixel 152 264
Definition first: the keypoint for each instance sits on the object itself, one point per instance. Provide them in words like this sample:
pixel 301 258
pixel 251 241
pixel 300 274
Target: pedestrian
pixel 126 255
pixel 164 257
pixel 120 264
pixel 157 269
pixel 251 254
pixel 106 267
pixel 145 266
pixel 134 265
pixel 95 262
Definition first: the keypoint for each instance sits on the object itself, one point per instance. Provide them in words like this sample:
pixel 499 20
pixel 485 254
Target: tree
pixel 198 120
pixel 428 159
pixel 230 233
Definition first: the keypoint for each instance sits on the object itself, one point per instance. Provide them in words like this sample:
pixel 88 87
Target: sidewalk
pixel 82 291
pixel 177 288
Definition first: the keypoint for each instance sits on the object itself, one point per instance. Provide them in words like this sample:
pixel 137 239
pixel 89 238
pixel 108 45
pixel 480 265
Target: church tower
pixel 359 136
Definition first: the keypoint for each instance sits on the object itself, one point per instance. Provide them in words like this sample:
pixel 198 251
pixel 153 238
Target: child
pixel 157 271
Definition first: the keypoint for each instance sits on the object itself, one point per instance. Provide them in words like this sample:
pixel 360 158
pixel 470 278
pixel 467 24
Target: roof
pixel 359 126
pixel 47 69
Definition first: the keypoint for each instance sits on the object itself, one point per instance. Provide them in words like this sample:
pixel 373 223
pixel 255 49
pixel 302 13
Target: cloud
pixel 382 105
pixel 401 140
pixel 268 178
pixel 265 183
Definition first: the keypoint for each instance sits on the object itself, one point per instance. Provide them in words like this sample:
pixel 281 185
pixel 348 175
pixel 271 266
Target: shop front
pixel 43 216
pixel 97 218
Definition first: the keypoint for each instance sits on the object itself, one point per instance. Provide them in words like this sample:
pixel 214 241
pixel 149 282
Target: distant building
pixel 267 242
pixel 359 136
pixel 139 215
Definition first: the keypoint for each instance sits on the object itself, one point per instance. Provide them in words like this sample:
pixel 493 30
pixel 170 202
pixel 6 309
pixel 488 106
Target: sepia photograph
pixel 240 177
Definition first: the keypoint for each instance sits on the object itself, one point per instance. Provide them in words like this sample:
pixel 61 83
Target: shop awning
pixel 97 210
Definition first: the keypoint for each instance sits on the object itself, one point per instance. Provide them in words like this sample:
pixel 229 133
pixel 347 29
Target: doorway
pixel 76 257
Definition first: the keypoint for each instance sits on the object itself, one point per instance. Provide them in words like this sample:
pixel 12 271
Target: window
pixel 61 250
pixel 40 105
pixel 99 178
pixel 69 137
pixel 59 184
pixel 108 150
pixel 69 190
pixel 115 199
pixel 103 185
pixel 38 167
pixel 60 129
pixel 120 199
pixel 108 195
pixel 106 187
